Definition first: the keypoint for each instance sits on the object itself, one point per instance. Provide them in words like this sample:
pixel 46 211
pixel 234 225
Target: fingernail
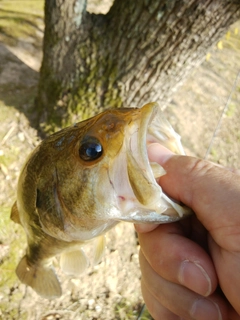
pixel 142 228
pixel 194 277
pixel 203 308
pixel 158 153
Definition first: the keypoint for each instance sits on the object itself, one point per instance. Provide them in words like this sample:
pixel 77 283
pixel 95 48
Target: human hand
pixel 191 268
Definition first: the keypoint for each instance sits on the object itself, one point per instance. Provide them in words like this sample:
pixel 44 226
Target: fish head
pixel 97 172
pixel 133 187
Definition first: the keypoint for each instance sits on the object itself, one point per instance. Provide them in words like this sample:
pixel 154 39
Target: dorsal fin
pixel 15 213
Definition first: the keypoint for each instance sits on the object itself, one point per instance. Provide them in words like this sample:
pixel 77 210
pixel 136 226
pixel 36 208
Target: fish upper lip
pixel 153 205
pixel 138 161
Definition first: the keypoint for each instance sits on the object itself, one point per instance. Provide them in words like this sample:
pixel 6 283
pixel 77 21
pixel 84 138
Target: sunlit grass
pixel 124 310
pixel 231 110
pixel 20 20
pixel 13 242
pixel 23 6
pixel 12 246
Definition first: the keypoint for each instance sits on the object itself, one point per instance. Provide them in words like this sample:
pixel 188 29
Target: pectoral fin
pixel 15 213
pixel 74 262
pixel 42 279
pixel 99 250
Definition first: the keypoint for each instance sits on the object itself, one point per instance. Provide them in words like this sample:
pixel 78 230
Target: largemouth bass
pixel 81 181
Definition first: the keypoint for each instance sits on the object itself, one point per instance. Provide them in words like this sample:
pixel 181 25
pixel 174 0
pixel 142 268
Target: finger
pixel 227 266
pixel 180 300
pixel 145 227
pixel 157 311
pixel 233 170
pixel 194 230
pixel 178 259
pixel 232 314
pixel 207 189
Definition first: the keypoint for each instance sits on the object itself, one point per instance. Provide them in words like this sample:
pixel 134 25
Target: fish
pixel 81 181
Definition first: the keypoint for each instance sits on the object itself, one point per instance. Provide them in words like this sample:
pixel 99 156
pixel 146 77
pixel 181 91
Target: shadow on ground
pixel 18 84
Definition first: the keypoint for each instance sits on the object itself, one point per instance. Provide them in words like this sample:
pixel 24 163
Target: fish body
pixel 81 181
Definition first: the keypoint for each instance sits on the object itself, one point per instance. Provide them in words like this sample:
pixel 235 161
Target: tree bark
pixel 140 51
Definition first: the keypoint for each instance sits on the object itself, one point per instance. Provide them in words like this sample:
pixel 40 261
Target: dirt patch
pixel 110 290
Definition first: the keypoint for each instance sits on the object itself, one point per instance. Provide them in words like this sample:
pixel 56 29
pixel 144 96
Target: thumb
pixel 211 191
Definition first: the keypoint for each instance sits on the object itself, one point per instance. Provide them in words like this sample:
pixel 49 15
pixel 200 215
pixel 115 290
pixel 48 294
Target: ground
pixel 110 290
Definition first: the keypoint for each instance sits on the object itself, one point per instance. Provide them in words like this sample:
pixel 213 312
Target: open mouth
pixel 153 206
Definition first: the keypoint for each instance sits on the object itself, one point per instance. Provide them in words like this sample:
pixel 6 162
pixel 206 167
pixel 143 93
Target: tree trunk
pixel 140 51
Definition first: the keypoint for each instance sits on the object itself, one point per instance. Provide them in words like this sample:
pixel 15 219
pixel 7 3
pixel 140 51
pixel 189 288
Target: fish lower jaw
pixel 131 210
pixel 162 210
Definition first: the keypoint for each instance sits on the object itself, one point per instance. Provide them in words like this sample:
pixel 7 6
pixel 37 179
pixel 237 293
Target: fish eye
pixel 90 150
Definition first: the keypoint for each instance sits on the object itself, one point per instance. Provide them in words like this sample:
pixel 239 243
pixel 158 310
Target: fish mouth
pixel 151 204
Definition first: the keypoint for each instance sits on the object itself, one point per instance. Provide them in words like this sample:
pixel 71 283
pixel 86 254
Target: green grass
pixel 20 20
pixel 14 240
pixel 23 6
pixel 12 246
pixel 215 155
pixel 231 110
pixel 125 310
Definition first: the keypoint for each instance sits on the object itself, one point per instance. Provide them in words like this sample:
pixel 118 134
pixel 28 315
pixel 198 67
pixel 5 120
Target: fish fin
pixel 100 249
pixel 74 262
pixel 42 279
pixel 15 213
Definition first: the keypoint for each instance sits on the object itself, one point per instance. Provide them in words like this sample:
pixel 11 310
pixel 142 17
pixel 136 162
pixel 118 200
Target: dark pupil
pixel 90 151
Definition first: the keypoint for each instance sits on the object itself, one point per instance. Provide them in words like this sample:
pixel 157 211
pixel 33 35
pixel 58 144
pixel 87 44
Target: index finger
pixel 212 192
